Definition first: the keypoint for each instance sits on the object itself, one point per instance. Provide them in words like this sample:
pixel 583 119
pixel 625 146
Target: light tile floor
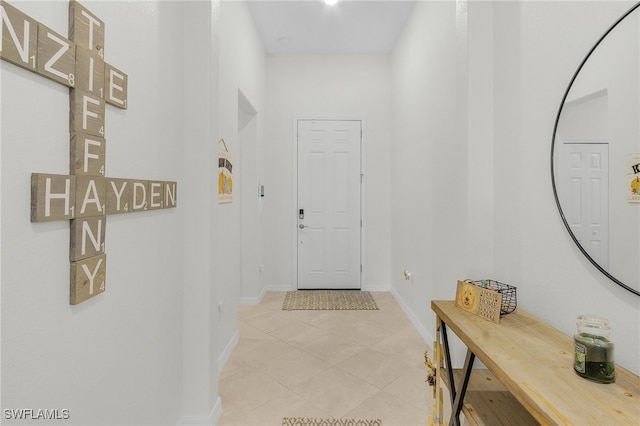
pixel 339 364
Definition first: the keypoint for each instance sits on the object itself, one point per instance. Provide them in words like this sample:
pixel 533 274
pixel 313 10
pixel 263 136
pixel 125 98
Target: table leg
pixel 437 415
pixel 447 355
pixel 456 398
pixel 456 406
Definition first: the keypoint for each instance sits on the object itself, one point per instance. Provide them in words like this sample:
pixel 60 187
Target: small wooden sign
pixel 85 28
pixel 225 173
pixel 89 71
pixel 139 195
pixel 633 178
pixel 56 57
pixel 52 197
pixel 90 196
pixel 118 196
pixel 170 194
pixel 156 194
pixel 86 113
pixel 116 86
pixel 87 237
pixel 478 301
pixel 87 155
pixel 19 37
pixel 88 278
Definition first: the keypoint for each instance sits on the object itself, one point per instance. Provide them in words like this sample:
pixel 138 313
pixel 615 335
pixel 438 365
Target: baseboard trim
pixel 377 287
pixel 284 287
pixel 228 349
pixel 209 420
pixel 253 300
pixel 428 338
pixel 269 288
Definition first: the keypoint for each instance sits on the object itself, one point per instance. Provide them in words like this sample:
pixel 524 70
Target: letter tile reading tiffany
pixel 85 196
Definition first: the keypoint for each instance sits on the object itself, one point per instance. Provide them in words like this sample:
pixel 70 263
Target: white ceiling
pixel 311 26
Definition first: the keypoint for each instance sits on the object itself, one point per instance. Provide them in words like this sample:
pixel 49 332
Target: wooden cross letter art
pixel 85 196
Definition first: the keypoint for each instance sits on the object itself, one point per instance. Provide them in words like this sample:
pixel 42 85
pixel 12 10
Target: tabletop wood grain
pixel 534 361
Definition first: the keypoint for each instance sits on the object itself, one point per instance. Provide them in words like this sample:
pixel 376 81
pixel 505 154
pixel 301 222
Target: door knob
pixel 301 226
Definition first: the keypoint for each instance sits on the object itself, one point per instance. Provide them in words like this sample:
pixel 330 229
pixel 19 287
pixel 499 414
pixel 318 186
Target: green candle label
pixel 579 361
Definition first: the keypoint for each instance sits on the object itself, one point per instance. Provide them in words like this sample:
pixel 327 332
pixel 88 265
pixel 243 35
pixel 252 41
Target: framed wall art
pixel 633 178
pixel 225 173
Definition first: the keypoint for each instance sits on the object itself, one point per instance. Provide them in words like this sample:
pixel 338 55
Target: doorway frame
pixel 294 185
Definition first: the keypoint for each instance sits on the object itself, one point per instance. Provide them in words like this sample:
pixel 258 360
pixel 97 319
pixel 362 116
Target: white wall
pixel 141 353
pixel 242 70
pixel 532 49
pixel 429 163
pixel 201 345
pixel 336 86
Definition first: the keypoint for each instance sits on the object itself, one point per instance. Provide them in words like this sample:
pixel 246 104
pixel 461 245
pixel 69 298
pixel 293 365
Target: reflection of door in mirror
pixel 584 189
pixel 597 130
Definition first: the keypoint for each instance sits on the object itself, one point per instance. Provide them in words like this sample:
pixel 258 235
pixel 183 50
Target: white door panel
pixel 329 195
pixel 585 196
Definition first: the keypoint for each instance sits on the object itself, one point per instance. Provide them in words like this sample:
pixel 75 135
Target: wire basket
pixel 508 293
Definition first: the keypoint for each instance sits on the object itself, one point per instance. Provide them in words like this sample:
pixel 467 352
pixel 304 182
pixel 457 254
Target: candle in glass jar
pixel 594 350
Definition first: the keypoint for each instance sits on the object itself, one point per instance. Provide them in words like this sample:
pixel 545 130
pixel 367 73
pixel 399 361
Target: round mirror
pixel 595 154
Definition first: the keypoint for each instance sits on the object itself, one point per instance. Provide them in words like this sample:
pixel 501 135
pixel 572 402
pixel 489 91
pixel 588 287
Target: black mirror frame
pixel 553 145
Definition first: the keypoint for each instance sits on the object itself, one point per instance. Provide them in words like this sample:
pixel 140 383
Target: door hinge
pixel 361 268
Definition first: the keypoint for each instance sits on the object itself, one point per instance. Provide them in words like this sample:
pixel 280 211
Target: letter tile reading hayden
pixel 85 196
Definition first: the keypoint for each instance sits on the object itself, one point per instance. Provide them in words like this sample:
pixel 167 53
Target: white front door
pixel 328 211
pixel 585 196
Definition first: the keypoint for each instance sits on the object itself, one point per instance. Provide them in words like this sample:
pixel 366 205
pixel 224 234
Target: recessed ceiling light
pixel 283 40
pixel 331 2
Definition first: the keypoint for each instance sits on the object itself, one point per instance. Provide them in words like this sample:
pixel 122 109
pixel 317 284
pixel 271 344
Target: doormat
pixel 354 300
pixel 304 421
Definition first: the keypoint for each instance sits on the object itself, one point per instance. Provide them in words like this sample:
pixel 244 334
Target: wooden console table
pixel 534 362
